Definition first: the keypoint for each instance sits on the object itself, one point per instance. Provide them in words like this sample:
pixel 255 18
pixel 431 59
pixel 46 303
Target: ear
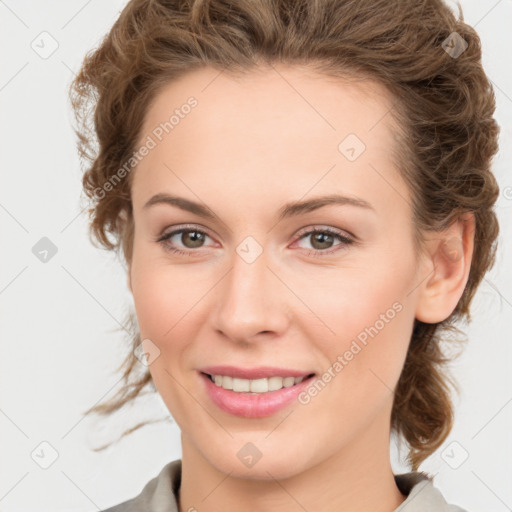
pixel 448 261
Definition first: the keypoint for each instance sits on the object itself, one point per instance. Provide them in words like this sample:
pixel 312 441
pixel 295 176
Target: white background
pixel 59 346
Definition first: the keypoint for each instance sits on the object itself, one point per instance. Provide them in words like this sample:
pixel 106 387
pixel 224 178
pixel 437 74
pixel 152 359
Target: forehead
pixel 268 98
pixel 281 128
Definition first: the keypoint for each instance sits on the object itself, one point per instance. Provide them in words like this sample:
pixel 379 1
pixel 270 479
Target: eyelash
pixel 314 252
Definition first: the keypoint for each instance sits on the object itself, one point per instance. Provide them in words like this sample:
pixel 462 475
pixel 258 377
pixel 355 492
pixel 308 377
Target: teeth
pixel 255 385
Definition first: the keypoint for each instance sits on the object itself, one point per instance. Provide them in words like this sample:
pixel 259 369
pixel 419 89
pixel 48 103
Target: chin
pixel 274 465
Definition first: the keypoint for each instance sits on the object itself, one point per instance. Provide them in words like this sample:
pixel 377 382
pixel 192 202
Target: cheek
pixel 362 363
pixel 154 309
pixel 160 294
pixel 161 303
pixel 369 315
pixel 372 338
pixel 356 305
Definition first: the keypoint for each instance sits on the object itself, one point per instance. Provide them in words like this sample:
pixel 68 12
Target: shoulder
pixel 422 495
pixel 158 494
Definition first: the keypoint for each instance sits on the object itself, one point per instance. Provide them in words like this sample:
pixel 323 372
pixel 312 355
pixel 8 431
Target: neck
pixel 358 477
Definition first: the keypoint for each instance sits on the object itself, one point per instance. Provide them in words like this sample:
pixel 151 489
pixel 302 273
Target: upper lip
pixel 259 372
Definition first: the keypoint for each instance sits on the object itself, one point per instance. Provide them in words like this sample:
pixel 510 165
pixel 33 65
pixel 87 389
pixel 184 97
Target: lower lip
pixel 256 405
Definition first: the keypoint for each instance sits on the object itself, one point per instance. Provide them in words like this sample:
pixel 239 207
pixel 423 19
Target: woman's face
pixel 253 287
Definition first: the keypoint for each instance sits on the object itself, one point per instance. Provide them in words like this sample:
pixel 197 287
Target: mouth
pixel 254 398
pixel 256 386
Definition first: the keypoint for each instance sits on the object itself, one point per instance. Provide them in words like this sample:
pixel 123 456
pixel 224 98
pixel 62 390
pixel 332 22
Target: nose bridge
pixel 250 300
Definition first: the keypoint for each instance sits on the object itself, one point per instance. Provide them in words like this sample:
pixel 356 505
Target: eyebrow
pixel 292 209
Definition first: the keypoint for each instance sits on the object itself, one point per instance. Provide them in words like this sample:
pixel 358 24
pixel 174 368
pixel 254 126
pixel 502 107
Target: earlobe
pixel 449 255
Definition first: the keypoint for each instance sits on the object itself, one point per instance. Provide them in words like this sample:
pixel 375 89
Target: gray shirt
pixel 160 493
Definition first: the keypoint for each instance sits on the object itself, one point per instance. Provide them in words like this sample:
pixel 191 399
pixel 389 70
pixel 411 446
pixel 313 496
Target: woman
pixel 302 194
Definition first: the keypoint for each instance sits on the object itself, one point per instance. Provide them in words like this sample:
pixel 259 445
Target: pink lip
pixel 252 405
pixel 259 372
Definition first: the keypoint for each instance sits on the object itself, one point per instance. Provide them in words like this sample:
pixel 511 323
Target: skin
pixel 251 145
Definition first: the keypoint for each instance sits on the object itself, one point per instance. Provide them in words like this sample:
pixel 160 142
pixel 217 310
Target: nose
pixel 251 301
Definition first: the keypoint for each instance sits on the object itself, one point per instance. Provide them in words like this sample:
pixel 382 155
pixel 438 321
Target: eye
pixel 322 239
pixel 192 238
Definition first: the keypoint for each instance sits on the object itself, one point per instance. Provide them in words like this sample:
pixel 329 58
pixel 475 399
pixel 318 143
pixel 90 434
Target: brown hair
pixel 444 104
